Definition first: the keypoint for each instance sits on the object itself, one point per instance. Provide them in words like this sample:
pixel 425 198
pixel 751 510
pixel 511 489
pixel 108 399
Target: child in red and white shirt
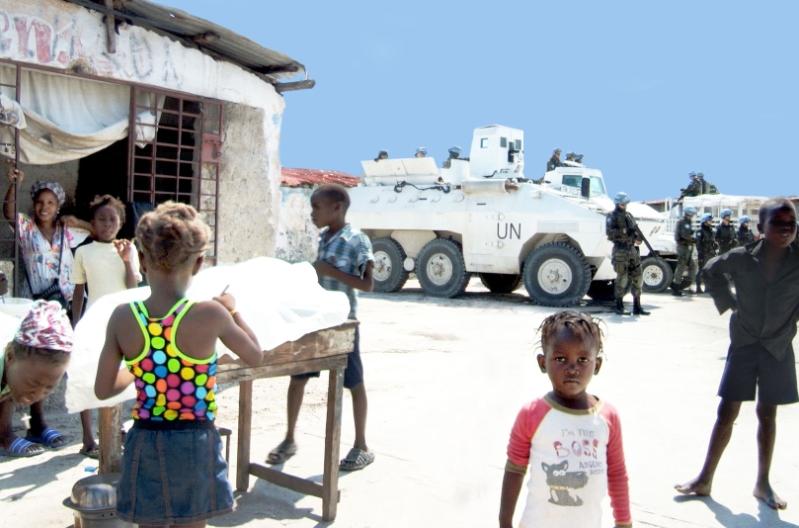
pixel 570 440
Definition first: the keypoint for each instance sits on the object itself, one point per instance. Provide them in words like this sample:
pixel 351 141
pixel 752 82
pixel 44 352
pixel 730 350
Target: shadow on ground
pixel 766 517
pixel 265 500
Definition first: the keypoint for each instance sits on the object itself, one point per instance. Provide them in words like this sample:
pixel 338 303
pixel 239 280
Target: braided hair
pixel 578 324
pixel 172 236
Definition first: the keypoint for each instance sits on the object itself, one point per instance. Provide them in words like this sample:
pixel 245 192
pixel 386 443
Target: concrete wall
pixel 297 237
pixel 249 178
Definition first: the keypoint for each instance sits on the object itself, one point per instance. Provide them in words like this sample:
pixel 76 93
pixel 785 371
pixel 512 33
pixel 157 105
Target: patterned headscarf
pixel 53 187
pixel 46 326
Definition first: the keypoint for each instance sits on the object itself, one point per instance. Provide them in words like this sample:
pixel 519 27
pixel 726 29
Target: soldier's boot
pixel 676 289
pixel 619 308
pixel 637 309
pixel 699 283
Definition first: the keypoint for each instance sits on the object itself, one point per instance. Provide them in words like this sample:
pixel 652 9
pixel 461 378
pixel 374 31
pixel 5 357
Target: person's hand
pixel 323 268
pixel 69 221
pixel 15 175
pixel 638 242
pixel 227 300
pixel 124 249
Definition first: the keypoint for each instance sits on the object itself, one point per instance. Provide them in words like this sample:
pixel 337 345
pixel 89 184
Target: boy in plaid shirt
pixel 344 263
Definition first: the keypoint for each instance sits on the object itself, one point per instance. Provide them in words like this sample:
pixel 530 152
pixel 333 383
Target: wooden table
pixel 321 350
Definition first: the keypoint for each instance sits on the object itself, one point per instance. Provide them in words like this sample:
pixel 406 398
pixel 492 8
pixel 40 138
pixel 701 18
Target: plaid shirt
pixel 349 251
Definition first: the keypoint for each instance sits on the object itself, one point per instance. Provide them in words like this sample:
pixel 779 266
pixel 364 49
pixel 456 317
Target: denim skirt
pixel 173 474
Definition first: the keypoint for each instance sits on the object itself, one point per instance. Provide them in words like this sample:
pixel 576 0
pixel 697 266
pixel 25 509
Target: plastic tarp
pixel 280 301
pixel 66 118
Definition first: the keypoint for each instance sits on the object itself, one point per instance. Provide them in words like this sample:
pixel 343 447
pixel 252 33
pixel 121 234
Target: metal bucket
pixel 94 502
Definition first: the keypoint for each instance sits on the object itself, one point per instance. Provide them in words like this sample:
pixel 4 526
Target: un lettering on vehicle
pixel 509 230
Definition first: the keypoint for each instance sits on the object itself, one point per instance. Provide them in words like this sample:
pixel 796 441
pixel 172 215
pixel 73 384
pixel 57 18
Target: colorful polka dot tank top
pixel 170 385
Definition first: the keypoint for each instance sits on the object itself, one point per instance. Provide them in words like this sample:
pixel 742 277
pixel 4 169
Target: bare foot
pixel 767 495
pixel 694 487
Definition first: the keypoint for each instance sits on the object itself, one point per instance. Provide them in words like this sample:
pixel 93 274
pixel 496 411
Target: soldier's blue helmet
pixel 707 217
pixel 744 219
pixel 621 198
pixel 689 211
pixel 726 213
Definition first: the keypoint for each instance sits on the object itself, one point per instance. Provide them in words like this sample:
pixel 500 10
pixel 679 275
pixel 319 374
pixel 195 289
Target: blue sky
pixel 647 91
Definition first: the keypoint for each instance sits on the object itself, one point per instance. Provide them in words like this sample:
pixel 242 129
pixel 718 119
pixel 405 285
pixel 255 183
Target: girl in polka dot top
pixel 173 470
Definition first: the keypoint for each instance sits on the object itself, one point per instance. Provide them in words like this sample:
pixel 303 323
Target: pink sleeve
pixel 618 488
pixel 521 436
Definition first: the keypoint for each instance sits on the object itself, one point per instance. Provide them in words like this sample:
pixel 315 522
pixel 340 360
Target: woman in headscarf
pixel 45 239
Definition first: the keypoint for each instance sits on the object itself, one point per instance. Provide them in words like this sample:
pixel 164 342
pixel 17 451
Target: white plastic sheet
pixel 280 301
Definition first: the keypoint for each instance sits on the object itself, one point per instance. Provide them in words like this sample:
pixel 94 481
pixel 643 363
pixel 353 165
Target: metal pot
pixel 94 501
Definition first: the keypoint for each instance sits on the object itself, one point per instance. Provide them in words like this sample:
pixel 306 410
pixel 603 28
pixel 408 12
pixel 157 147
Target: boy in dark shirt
pixel 765 310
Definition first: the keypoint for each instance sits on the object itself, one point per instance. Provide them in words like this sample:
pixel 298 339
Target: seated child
pixel 569 439
pixel 30 368
pixel 173 471
pixel 106 265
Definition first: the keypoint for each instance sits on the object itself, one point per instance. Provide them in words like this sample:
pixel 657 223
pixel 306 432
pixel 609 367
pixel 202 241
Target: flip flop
pixel 356 459
pixel 92 452
pixel 49 437
pixel 282 452
pixel 21 448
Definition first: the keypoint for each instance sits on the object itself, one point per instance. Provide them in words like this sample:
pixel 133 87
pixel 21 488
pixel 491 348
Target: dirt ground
pixel 445 379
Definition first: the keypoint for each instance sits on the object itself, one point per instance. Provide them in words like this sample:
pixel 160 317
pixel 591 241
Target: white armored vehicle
pixel 658 227
pixel 479 215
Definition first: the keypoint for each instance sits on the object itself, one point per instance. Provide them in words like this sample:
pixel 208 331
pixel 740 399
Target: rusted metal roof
pixel 217 41
pixel 291 177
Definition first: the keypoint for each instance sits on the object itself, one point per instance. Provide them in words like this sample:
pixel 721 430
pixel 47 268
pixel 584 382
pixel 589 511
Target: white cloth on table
pixel 280 301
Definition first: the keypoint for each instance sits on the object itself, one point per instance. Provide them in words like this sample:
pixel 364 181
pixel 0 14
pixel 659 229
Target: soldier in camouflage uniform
pixel 684 236
pixel 621 229
pixel 726 237
pixel 745 235
pixel 706 246
pixel 694 187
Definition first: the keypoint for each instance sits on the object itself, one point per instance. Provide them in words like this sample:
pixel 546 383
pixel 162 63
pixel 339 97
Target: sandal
pixel 21 448
pixel 92 452
pixel 49 437
pixel 356 459
pixel 284 450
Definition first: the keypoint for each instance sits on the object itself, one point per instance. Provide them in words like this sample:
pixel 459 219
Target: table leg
pixel 110 442
pixel 332 442
pixel 245 423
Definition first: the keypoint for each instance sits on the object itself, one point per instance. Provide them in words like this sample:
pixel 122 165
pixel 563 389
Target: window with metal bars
pixel 176 157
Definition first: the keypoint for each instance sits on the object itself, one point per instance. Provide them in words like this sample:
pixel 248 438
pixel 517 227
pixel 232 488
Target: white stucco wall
pixel 297 237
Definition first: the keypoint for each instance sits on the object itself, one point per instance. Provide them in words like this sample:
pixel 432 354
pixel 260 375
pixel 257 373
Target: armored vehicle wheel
pixel 441 269
pixel 389 274
pixel 500 282
pixel 602 290
pixel 657 274
pixel 556 274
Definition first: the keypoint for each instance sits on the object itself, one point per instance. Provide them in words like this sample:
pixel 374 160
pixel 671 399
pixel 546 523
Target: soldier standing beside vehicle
pixel 706 246
pixel 726 237
pixel 684 236
pixel 622 230
pixel 745 235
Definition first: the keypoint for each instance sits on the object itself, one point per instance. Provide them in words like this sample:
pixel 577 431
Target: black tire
pixel 657 274
pixel 602 291
pixel 565 271
pixel 388 272
pixel 500 282
pixel 441 269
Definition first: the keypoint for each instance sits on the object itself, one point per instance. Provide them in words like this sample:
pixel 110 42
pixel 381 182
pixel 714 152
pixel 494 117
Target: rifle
pixel 652 251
